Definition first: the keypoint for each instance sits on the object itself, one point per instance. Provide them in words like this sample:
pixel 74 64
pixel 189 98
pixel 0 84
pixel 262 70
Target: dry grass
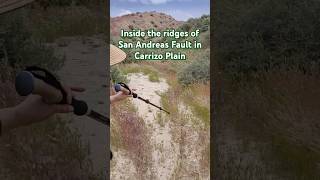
pixel 151 72
pixel 129 133
pixel 40 151
pixel 275 114
pixel 188 124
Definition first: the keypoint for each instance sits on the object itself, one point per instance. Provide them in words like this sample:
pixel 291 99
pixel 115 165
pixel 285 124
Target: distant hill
pixel 145 20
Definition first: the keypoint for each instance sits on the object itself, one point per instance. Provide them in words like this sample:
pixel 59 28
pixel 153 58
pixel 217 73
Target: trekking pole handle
pixel 27 84
pixel 120 87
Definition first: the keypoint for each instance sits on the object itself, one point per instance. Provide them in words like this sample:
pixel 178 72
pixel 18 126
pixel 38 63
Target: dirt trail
pixel 176 150
pixel 164 149
pixel 85 66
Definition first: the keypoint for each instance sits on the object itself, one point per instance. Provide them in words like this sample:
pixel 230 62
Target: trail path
pixel 164 150
pixel 164 156
pixel 172 158
pixel 85 66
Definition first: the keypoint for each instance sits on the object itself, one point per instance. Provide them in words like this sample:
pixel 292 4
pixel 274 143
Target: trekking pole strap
pixel 36 80
pixel 49 78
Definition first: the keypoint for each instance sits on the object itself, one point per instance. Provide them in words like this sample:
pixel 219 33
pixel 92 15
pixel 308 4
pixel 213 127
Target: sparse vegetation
pixel 47 149
pixel 187 99
pixel 130 133
pixel 42 150
pixel 147 70
pixel 21 49
pixel 266 75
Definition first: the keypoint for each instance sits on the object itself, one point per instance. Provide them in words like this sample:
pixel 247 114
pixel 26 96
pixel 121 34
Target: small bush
pixel 197 71
pixel 202 23
pixel 251 37
pixel 21 49
pixel 74 21
pixel 117 76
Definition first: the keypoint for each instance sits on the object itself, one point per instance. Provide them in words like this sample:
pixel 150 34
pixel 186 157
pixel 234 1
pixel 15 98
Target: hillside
pixel 145 20
pixel 148 143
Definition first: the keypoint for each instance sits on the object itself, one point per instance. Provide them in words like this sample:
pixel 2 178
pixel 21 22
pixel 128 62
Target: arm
pixel 31 110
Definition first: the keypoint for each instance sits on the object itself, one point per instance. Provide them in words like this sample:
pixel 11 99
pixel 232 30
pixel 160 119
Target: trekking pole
pixel 125 88
pixel 32 81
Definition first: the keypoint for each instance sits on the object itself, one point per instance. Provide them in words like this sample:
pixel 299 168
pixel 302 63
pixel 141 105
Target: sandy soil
pixel 164 156
pixel 164 149
pixel 172 158
pixel 124 166
pixel 85 66
pixel 192 145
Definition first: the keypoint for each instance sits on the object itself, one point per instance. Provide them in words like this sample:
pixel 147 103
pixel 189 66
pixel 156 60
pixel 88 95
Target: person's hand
pixel 119 96
pixel 33 109
pixel 70 90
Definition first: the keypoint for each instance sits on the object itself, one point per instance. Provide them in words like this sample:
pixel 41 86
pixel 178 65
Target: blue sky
pixel 180 9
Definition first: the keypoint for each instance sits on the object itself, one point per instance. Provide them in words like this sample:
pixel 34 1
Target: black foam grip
pixel 80 107
pixel 24 83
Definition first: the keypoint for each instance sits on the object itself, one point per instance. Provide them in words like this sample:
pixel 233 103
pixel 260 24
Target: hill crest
pixel 143 21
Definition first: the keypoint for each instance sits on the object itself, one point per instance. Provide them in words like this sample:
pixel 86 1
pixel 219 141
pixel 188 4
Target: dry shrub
pixel 282 104
pixel 279 109
pixel 132 137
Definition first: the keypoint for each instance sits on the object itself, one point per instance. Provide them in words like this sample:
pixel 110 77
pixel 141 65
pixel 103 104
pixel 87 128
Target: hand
pixel 70 90
pixel 119 96
pixel 33 110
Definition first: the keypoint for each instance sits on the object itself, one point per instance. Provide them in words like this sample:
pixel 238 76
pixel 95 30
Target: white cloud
pixel 159 1
pixel 124 12
pixel 154 2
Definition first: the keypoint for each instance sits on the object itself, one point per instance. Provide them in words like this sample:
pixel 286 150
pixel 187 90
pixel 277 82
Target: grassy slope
pixel 195 96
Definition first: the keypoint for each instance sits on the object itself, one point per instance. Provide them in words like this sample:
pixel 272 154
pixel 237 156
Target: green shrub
pixel 117 76
pixel 36 53
pixel 21 49
pixel 197 71
pixel 74 21
pixel 262 35
pixel 202 23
